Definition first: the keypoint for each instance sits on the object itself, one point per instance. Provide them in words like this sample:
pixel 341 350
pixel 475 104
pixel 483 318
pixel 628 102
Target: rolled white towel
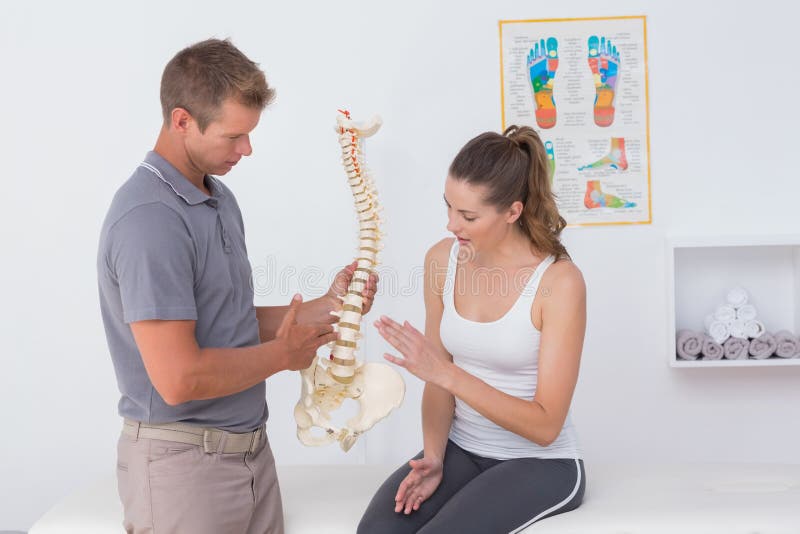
pixel 754 329
pixel 711 349
pixel 763 347
pixel 737 297
pixel 746 312
pixel 788 344
pixel 718 330
pixel 737 328
pixel 725 313
pixel 688 344
pixel 736 348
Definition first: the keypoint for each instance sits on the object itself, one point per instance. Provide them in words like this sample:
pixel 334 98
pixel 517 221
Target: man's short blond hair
pixel 200 77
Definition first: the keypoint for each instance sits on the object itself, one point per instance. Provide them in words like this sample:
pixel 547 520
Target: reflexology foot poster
pixel 582 85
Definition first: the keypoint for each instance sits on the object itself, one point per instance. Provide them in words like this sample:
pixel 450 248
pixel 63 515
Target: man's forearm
pixel 218 372
pixel 269 319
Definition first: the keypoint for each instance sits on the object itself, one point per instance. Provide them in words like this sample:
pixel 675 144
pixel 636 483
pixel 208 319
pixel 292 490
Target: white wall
pixel 79 95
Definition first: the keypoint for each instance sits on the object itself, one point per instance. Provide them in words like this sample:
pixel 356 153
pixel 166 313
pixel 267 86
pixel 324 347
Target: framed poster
pixel 582 85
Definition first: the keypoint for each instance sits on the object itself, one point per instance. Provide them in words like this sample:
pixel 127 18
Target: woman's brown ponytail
pixel 514 167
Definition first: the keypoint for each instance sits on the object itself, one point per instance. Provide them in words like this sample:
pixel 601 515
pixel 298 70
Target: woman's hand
pixel 419 484
pixel 420 357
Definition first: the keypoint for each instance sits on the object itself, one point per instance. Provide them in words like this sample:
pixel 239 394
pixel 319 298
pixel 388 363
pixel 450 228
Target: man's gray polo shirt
pixel 168 251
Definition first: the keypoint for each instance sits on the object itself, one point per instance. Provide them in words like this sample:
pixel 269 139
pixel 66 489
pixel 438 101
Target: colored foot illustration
pixel 551 157
pixel 604 62
pixel 542 64
pixel 595 198
pixel 615 159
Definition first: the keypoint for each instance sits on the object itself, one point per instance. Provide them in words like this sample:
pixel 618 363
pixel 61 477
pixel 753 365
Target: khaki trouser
pixel 170 487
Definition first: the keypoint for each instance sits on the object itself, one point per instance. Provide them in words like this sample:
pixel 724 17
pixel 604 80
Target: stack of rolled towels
pixel 734 332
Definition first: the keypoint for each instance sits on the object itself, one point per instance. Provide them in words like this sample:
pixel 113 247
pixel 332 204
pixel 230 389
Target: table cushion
pixel 685 499
pixel 630 499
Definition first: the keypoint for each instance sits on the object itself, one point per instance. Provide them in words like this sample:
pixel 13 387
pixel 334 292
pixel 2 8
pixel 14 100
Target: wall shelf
pixel 700 271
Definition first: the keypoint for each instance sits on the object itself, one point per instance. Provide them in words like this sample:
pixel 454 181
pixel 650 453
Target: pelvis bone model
pixel 327 383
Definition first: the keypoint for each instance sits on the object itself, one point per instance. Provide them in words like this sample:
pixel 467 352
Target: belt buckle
pixel 255 439
pixel 207 442
pixel 251 448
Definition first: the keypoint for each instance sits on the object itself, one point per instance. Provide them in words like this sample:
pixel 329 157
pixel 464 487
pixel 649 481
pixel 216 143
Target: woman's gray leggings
pixel 481 496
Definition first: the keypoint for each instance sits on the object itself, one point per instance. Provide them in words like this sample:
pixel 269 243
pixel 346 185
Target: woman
pixel 500 355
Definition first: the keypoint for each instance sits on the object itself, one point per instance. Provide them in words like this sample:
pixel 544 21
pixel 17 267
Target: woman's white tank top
pixel 504 354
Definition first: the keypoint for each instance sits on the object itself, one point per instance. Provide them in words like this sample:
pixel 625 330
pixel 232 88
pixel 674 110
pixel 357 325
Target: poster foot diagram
pixel 582 84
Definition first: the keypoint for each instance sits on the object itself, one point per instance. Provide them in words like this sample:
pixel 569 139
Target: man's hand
pixel 342 281
pixel 301 341
pixel 319 310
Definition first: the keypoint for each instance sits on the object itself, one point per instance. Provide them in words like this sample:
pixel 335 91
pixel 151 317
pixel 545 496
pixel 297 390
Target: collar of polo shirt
pixel 179 183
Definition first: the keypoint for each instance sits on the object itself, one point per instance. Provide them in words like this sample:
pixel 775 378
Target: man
pixel 190 350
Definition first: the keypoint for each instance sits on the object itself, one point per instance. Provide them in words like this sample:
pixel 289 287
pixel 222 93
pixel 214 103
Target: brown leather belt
pixel 211 439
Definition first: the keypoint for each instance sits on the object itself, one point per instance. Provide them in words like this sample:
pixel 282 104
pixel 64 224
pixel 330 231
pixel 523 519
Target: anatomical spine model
pixel 327 383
